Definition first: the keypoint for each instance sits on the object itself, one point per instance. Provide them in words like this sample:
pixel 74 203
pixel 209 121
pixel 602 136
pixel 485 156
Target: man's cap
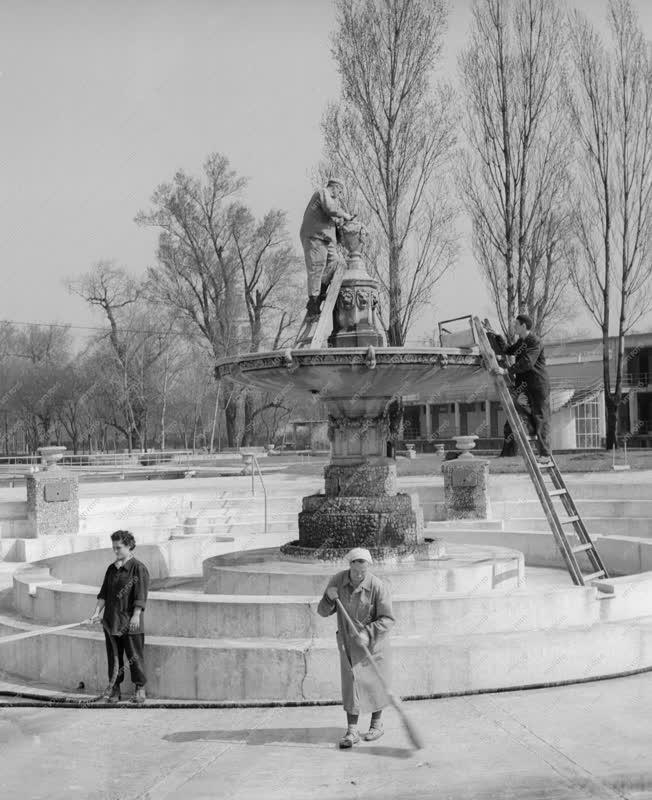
pixel 338 181
pixel 359 553
pixel 526 320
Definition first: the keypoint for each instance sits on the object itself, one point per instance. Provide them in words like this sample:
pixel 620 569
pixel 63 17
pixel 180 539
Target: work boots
pixel 112 694
pixel 350 738
pixel 139 696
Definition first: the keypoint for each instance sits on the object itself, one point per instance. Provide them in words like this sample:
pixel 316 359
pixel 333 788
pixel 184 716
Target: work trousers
pixel 131 644
pixel 537 412
pixel 320 262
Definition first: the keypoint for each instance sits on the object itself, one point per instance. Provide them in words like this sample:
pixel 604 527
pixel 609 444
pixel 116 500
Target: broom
pixel 410 729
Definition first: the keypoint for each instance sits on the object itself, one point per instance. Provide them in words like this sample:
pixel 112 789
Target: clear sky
pixel 103 100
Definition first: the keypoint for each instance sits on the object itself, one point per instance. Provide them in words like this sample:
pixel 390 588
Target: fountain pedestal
pixel 361 506
pixel 355 319
pixel 466 483
pixel 52 496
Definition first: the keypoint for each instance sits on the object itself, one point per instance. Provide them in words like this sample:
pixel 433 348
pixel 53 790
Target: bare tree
pixel 136 344
pixel 224 270
pixel 195 274
pixel 267 264
pixel 610 103
pixel 515 169
pixel 391 137
pixel 36 372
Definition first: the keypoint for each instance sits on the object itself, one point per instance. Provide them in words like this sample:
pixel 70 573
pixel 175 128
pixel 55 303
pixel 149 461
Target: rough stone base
pixel 347 522
pixel 421 551
pixel 466 491
pixel 360 480
pixel 53 502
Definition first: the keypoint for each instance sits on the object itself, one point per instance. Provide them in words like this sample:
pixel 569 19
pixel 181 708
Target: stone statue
pixel 323 215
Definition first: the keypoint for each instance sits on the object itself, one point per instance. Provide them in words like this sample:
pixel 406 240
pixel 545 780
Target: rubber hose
pixel 65 702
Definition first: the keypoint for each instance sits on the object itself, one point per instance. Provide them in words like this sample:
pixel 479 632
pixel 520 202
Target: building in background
pixel 577 397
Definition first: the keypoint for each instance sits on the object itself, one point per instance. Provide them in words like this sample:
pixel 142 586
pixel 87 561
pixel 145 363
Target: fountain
pixel 357 381
pixel 249 631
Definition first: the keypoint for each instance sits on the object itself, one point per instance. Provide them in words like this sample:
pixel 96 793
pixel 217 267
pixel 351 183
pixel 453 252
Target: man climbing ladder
pixel 529 379
pixel 569 516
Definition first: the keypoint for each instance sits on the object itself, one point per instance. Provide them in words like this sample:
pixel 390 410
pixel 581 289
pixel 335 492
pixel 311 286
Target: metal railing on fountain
pixel 251 463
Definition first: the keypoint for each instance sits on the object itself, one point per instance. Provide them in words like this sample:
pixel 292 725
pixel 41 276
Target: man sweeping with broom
pixel 364 617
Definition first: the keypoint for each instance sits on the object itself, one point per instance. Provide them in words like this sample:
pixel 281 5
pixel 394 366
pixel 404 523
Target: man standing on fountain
pixel 318 235
pixel 367 601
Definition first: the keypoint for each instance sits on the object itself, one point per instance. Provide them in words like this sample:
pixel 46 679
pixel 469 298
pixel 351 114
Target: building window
pixel 472 419
pixel 411 422
pixel 498 419
pixel 587 424
pixel 443 421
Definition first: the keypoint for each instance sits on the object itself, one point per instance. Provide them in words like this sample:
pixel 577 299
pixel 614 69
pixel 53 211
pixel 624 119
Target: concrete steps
pixel 619 526
pixel 604 508
pixel 308 669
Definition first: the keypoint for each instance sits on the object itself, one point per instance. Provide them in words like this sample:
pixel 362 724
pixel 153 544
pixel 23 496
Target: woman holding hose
pixel 120 606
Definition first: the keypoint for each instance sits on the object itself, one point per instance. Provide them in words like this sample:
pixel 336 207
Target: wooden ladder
pixel 560 524
pixel 314 332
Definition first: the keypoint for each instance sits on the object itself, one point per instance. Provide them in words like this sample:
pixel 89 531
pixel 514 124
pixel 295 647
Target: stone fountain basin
pixel 452 592
pixel 266 572
pixel 452 642
pixel 349 379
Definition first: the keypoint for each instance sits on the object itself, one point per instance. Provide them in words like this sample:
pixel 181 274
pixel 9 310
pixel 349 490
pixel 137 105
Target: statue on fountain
pixel 323 216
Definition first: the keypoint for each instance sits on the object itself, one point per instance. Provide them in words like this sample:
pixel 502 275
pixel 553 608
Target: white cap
pixel 359 553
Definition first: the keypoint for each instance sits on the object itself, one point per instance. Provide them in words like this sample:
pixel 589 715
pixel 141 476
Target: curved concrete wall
pixel 261 648
pixel 229 648
pixel 243 670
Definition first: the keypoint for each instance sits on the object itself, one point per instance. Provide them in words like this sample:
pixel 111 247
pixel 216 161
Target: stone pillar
pixel 458 419
pixel 466 488
pixel 428 421
pixel 52 496
pixel 466 483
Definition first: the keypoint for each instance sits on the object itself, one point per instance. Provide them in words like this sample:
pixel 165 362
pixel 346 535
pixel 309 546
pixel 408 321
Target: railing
pixel 254 463
pixel 135 458
pixel 138 459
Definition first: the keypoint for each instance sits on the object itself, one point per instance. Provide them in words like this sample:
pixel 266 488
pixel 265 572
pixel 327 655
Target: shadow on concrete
pixel 305 736
pixel 261 737
pixel 386 752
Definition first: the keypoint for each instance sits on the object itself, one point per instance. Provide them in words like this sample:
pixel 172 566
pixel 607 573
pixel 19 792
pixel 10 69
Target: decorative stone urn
pixel 465 444
pixel 50 456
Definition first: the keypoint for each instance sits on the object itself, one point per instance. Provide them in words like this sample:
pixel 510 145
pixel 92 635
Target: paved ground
pixel 568 743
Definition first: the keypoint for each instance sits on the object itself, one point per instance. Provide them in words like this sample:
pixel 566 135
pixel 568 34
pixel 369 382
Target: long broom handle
pixel 367 651
pixel 409 726
pixel 14 637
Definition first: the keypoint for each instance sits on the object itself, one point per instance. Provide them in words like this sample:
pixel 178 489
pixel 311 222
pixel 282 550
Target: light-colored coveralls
pixel 370 606
pixel 318 237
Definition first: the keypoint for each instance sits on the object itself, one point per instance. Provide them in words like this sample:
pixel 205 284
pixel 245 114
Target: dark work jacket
pixel 123 590
pixel 530 361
